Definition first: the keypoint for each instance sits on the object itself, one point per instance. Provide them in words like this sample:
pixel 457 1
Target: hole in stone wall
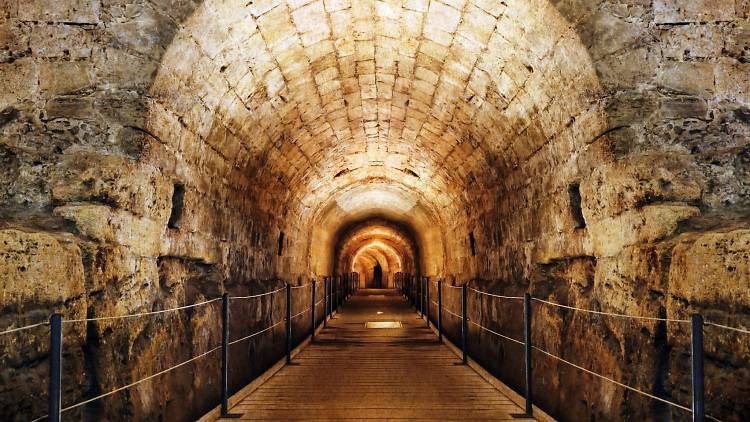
pixel 281 243
pixel 472 244
pixel 574 190
pixel 178 198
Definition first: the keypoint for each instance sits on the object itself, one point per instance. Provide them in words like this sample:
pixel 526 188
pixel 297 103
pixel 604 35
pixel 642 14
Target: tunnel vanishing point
pixel 189 186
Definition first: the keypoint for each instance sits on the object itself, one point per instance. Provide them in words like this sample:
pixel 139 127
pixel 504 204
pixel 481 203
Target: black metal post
pixel 421 296
pixel 427 299
pixel 440 311
pixel 464 324
pixel 312 310
pixel 527 354
pixel 288 323
pixel 325 301
pixel 699 410
pixel 55 368
pixel 225 359
pixel 224 354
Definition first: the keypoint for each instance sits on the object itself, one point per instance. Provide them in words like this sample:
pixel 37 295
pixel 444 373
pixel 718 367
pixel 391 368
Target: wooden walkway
pixel 357 373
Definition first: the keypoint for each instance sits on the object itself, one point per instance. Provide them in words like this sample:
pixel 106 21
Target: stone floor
pixel 355 373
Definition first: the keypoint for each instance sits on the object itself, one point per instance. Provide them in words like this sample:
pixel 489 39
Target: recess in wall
pixel 281 243
pixel 576 211
pixel 178 198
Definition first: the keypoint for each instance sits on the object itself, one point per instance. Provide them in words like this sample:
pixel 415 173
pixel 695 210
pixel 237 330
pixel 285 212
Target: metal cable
pixel 258 295
pixel 117 390
pixel 454 287
pixel 140 314
pixel 451 313
pixel 496 333
pixel 613 381
pixel 302 286
pixel 726 327
pixel 300 313
pixel 319 302
pixel 256 333
pixel 684 321
pixel 27 327
pixel 498 296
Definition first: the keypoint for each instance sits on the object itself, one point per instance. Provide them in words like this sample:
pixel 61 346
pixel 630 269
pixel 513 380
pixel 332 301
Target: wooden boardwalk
pixel 357 373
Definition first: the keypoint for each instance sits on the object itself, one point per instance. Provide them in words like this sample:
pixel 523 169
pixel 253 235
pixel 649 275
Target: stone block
pixel 75 11
pixel 681 11
pixel 610 236
pixel 116 227
pixel 18 81
pixel 39 269
pixel 119 182
pixel 713 270
pixel 695 78
pixel 65 77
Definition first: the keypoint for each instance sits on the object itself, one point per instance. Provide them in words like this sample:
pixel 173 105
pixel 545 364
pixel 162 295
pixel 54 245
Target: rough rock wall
pixel 90 224
pixel 649 218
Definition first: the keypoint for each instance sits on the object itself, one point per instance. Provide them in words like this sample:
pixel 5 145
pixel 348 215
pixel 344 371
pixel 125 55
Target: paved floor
pixel 357 373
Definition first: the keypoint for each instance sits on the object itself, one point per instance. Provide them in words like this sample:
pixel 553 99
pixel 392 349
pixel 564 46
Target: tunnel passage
pixel 160 153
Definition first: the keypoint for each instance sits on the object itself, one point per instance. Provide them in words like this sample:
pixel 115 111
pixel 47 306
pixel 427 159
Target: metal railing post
pixel 55 368
pixel 312 312
pixel 224 354
pixel 225 359
pixel 464 323
pixel 325 301
pixel 440 311
pixel 421 297
pixel 696 348
pixel 527 353
pixel 288 323
pixel 427 299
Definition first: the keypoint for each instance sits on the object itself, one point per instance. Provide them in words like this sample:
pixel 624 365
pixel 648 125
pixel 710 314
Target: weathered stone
pixel 713 270
pixel 687 77
pixel 116 227
pixel 192 148
pixel 65 77
pixel 76 11
pixel 39 269
pixel 648 224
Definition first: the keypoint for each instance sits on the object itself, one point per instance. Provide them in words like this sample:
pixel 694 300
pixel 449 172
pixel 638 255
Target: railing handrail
pixel 335 295
pixel 527 302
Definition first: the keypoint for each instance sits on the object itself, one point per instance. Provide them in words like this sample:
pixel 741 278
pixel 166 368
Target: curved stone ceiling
pixel 319 95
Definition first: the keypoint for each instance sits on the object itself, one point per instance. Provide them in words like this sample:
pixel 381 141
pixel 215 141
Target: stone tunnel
pixel 160 153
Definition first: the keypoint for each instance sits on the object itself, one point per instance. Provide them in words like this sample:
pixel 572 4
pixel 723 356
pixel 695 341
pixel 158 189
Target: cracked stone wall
pixel 153 151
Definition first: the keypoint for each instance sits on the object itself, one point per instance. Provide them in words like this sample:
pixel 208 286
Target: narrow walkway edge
pixel 352 372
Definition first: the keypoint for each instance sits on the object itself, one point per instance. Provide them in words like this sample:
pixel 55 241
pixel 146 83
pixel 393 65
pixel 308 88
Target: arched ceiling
pixel 429 95
pixel 337 111
pixel 378 235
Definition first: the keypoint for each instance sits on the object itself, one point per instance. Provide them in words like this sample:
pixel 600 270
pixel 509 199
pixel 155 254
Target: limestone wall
pixel 153 152
pixel 664 199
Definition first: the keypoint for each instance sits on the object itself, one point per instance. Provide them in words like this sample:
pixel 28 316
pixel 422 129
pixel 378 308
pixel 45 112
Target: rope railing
pixel 24 328
pixel 337 289
pixel 494 295
pixel 142 314
pixel 412 289
pixel 495 332
pixel 258 295
pixel 612 314
pixel 726 327
pixel 257 333
pixel 132 384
